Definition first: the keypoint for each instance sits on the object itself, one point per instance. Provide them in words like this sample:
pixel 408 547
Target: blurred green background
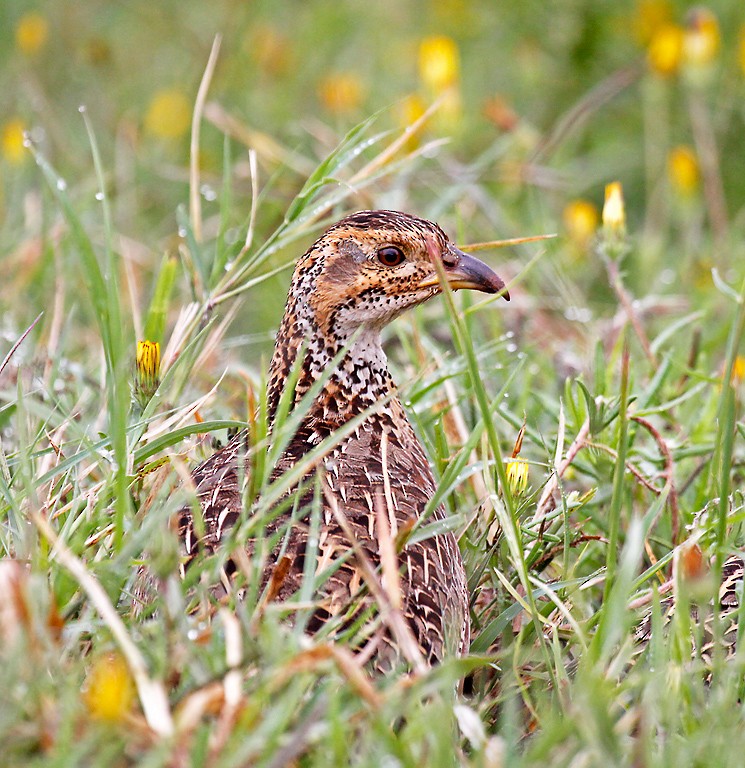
pixel 541 105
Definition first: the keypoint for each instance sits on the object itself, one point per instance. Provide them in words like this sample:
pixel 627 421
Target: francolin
pixel 359 275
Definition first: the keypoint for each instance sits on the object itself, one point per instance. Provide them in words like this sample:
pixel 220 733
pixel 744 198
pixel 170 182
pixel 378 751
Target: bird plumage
pixel 727 611
pixel 359 275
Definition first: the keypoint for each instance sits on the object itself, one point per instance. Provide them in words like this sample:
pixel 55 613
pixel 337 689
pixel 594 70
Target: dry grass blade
pixel 18 343
pixel 344 660
pixel 153 698
pixel 489 244
pixel 195 201
pixel 579 442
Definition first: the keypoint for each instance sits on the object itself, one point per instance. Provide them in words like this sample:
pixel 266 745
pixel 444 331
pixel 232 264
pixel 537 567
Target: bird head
pixel 371 266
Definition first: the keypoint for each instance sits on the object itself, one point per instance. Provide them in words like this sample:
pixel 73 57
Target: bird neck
pixel 359 379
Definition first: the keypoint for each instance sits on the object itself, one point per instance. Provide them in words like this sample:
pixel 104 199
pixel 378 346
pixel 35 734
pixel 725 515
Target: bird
pixel 364 271
pixel 703 634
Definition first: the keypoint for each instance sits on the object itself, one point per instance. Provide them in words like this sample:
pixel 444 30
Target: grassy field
pixel 156 184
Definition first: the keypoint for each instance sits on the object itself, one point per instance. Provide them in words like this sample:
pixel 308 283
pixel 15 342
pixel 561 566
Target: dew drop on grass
pixel 99 196
pixel 511 347
pixel 578 314
pixel 82 108
pixel 208 193
pixel 61 184
pixel 182 231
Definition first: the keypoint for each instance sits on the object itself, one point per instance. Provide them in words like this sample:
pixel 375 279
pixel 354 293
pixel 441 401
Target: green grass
pixel 617 363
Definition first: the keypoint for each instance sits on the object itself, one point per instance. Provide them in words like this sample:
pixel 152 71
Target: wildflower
pixel 665 50
pixel 32 32
pixel 701 38
pixel 109 691
pixel 439 71
pixel 517 469
pixel 682 169
pixel 409 111
pixel 614 211
pixel 650 16
pixel 168 115
pixel 517 475
pixel 581 219
pixel 147 374
pixel 439 63
pixel 501 113
pixel 341 93
pixel 11 141
pixel 271 50
pixel 738 370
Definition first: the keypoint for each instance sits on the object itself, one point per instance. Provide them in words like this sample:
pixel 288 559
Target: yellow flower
pixel 11 141
pixel 109 692
pixel 168 115
pixel 341 93
pixel 517 475
pixel 439 63
pixel 147 374
pixel 738 370
pixel 409 111
pixel 701 38
pixel 32 32
pixel 517 468
pixel 650 16
pixel 614 210
pixel 271 50
pixel 581 220
pixel 665 51
pixel 683 170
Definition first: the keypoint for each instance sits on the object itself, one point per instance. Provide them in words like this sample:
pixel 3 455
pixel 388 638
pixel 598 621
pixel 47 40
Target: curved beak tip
pixel 470 272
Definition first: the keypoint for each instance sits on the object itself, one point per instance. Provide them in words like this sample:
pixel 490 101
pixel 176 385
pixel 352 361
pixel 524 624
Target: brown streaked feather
pixel 730 592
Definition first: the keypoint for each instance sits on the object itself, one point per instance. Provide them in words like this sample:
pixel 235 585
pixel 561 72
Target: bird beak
pixel 467 272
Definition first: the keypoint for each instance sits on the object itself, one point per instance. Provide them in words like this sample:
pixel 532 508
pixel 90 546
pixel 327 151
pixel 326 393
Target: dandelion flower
pixel 109 692
pixel 169 114
pixel 683 170
pixel 32 32
pixel 11 141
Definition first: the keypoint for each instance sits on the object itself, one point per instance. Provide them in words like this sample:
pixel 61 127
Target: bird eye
pixel 391 256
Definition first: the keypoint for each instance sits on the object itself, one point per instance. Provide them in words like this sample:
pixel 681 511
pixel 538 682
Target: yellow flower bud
pixel 517 475
pixel 169 114
pixel 650 16
pixel 409 111
pixel 701 38
pixel 439 63
pixel 147 373
pixel 341 93
pixel 683 170
pixel 581 219
pixel 109 692
pixel 738 370
pixel 665 50
pixel 32 33
pixel 11 141
pixel 614 211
